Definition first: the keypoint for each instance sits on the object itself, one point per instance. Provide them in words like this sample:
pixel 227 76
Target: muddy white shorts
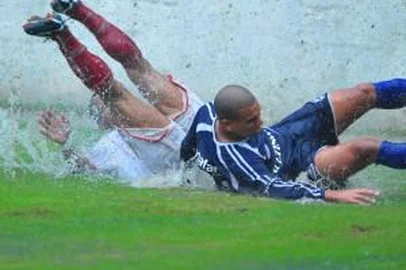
pixel 191 104
pixel 146 151
pixel 112 155
pixel 159 148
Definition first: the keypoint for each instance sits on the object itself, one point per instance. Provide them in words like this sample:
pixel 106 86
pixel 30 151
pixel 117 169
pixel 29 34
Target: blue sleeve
pixel 292 190
pixel 256 175
pixel 188 146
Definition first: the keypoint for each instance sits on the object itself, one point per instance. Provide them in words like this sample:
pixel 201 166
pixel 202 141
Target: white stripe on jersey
pixel 254 150
pixel 210 112
pixel 268 151
pixel 234 181
pixel 235 155
pixel 257 176
pixel 238 163
pixel 290 184
pixel 204 127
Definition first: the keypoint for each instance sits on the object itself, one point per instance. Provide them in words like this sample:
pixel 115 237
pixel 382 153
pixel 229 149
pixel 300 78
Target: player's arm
pixel 76 162
pixel 355 196
pixel 297 190
pixel 188 146
pixel 250 170
pixel 279 188
pixel 292 190
pixel 57 128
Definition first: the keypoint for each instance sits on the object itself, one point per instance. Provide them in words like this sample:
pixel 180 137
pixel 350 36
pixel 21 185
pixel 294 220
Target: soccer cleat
pixel 44 26
pixel 63 6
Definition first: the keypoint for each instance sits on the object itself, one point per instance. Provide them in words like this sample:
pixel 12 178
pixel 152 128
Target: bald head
pixel 231 99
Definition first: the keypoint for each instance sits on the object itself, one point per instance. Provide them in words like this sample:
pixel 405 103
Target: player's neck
pixel 223 135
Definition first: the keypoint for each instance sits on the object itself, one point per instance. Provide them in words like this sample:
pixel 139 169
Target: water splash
pixel 26 150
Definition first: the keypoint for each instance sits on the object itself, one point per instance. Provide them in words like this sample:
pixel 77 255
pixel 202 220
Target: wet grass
pixel 73 223
pixel 77 223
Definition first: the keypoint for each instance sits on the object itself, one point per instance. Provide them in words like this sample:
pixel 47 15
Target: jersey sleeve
pixel 188 145
pixel 292 190
pixel 256 175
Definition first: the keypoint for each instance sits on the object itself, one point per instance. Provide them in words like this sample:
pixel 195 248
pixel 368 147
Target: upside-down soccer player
pixel 152 131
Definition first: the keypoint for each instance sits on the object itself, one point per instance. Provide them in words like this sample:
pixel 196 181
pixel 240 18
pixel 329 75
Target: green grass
pixel 73 223
pixel 76 223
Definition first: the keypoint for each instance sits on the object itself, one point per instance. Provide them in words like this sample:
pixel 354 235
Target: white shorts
pixel 113 156
pixel 191 104
pixel 159 148
pixel 147 150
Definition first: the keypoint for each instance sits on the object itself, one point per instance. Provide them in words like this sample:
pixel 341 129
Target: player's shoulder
pixel 206 113
pixel 208 108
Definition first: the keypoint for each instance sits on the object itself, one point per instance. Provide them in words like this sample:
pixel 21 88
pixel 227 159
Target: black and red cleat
pixel 44 26
pixel 63 6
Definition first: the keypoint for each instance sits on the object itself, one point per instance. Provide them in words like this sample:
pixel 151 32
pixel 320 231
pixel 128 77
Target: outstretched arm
pixel 57 128
pixel 296 190
pixel 292 190
pixel 361 196
pixel 258 175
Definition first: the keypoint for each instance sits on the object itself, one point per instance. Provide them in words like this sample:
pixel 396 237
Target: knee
pixel 365 148
pixel 112 92
pixel 366 91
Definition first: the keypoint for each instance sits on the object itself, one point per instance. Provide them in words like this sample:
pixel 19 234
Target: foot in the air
pixel 64 6
pixel 44 26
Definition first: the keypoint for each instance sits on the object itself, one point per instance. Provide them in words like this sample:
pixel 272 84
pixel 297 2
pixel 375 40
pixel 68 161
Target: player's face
pixel 249 123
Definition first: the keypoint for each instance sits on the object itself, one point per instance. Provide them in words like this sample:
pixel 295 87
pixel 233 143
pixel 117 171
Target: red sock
pixel 92 70
pixel 115 42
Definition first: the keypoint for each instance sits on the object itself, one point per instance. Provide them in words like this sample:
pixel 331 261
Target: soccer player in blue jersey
pixel 228 141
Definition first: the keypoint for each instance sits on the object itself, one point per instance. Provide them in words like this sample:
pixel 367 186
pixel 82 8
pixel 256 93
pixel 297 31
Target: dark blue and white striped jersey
pixel 260 164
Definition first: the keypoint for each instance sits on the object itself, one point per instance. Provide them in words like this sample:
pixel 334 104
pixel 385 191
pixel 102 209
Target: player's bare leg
pixel 341 161
pixel 157 88
pixel 351 103
pixel 128 111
